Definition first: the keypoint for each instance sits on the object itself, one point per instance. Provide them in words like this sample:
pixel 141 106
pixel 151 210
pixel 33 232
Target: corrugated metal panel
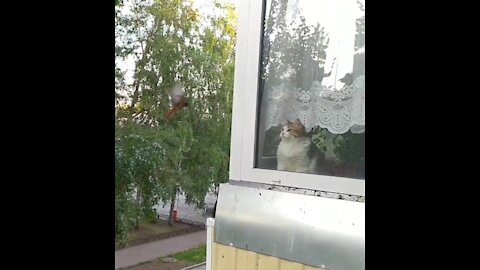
pixel 311 230
pixel 231 258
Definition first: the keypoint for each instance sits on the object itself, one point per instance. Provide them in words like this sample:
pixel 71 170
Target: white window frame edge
pixel 244 116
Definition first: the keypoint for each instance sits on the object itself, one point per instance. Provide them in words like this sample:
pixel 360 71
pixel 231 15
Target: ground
pixel 160 230
pixel 180 260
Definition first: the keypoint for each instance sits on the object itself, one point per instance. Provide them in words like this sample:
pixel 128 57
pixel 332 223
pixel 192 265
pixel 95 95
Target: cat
pixel 296 152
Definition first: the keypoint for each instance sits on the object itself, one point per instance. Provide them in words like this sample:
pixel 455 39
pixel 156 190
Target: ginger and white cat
pixel 296 153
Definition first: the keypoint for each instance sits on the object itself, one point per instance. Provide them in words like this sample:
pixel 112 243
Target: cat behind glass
pixel 296 152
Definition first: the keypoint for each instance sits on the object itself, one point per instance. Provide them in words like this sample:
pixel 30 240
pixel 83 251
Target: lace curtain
pixel 337 110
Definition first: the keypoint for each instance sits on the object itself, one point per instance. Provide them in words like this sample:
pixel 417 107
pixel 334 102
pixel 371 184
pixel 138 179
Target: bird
pixel 177 98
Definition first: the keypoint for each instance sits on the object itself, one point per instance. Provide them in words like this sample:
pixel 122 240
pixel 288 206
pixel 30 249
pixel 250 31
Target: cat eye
pixel 289 129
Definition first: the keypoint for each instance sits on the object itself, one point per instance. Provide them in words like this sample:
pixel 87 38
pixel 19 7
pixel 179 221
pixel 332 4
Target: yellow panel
pixel 214 255
pixel 267 262
pixel 288 265
pixel 225 257
pixel 246 260
pixel 230 258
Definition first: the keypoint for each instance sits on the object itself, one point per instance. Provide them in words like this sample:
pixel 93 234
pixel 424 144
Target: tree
pixel 172 42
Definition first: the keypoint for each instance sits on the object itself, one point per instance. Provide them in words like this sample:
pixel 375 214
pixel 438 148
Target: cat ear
pixel 298 121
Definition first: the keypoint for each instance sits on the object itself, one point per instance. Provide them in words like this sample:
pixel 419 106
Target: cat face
pixel 292 130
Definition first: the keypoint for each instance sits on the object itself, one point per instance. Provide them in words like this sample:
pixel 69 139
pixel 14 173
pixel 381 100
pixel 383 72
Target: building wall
pixel 231 258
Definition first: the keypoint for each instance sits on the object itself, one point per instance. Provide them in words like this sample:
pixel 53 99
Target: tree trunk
pixel 172 208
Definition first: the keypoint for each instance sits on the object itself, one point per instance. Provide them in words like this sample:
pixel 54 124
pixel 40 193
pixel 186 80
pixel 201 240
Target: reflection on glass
pixel 312 88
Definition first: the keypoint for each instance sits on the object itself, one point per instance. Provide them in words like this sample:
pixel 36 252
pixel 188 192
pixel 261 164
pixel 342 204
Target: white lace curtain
pixel 337 110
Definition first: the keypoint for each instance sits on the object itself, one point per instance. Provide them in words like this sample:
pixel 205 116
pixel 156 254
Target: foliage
pixel 293 50
pixel 351 149
pixel 171 41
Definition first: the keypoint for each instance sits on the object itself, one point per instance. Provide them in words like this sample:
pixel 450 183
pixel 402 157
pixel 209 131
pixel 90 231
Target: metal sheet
pixel 312 230
pixel 304 191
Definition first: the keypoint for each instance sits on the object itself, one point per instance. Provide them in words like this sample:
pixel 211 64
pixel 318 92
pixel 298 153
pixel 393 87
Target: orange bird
pixel 177 98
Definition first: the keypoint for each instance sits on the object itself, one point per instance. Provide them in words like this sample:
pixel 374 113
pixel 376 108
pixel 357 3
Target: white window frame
pixel 243 135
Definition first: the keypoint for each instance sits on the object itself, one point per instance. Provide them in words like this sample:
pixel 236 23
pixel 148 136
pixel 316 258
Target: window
pixel 299 106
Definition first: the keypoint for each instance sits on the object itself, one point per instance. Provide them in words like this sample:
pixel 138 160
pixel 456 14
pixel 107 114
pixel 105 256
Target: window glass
pixel 312 88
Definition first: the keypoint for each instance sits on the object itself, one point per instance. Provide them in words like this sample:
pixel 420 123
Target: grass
pixel 194 255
